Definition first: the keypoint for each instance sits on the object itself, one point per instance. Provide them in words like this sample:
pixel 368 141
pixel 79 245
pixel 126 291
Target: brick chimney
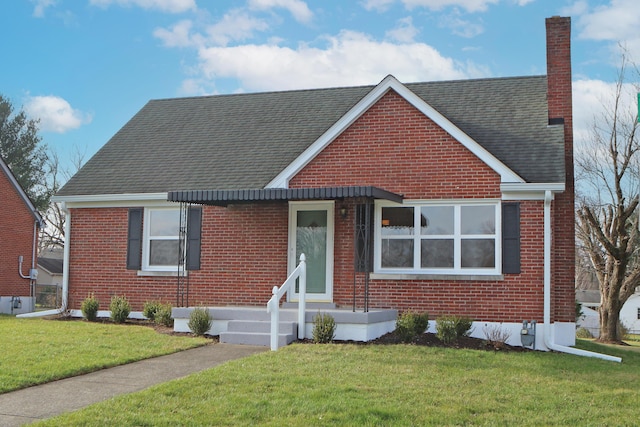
pixel 561 111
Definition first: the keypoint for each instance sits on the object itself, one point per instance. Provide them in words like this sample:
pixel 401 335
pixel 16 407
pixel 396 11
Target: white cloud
pixel 377 5
pixel 55 114
pixel 170 6
pixel 297 8
pixel 468 5
pixel 405 32
pixel 592 99
pixel 177 36
pixel 459 26
pixel 349 58
pixel 234 26
pixel 616 21
pixel 40 6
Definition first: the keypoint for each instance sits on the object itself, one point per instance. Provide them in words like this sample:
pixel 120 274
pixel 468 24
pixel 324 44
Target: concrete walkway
pixel 44 401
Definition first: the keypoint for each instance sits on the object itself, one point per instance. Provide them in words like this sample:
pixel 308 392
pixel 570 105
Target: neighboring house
pixel 49 283
pixel 590 300
pixel 19 225
pixel 451 197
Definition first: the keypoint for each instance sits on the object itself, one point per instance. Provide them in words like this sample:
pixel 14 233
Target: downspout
pixel 65 271
pixel 548 197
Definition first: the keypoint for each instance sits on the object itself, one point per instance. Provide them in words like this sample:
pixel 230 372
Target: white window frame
pixel 457 270
pixel 146 240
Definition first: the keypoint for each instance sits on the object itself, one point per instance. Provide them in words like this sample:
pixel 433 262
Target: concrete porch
pixel 251 325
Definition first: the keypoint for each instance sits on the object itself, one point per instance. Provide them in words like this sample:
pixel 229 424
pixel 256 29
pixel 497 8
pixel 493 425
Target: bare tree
pixel 52 235
pixel 607 218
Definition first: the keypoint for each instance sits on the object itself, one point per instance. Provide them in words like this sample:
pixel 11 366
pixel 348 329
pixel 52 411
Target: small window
pixel 161 250
pixel 638 313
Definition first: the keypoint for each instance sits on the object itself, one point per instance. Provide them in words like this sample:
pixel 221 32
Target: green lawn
pixel 36 351
pixel 336 384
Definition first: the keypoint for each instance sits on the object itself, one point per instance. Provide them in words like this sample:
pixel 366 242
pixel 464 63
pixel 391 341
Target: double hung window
pixel 161 240
pixel 438 238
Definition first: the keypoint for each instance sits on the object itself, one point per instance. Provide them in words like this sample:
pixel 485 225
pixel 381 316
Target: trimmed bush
pixel 583 333
pixel 120 309
pixel 200 321
pixel 450 328
pixel 163 315
pixel 90 307
pixel 411 324
pixel 150 308
pixel 324 328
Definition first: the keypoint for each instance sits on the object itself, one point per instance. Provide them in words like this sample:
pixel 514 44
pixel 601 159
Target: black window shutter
pixel 194 225
pixel 134 239
pixel 511 238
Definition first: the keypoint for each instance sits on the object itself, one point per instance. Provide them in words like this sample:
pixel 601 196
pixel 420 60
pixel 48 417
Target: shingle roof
pixel 243 141
pixel 52 265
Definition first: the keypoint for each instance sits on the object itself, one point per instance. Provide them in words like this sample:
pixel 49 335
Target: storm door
pixel 311 233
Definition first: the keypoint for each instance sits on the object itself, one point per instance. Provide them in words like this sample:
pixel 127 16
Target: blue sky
pixel 85 67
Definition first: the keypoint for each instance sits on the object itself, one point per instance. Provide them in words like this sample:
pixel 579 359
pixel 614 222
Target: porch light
pixel 343 212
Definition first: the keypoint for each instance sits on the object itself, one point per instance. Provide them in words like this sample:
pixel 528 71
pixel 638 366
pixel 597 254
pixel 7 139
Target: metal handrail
pixel 273 306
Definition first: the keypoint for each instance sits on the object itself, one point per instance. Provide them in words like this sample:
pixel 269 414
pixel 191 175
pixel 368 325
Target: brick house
pixel 451 197
pixel 19 225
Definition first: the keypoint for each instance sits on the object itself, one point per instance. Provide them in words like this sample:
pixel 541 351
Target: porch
pixel 251 325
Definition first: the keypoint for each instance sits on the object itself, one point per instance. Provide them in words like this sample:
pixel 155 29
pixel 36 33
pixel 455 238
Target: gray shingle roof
pixel 243 141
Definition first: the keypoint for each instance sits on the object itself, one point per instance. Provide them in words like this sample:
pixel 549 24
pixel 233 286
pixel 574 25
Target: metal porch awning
pixel 229 197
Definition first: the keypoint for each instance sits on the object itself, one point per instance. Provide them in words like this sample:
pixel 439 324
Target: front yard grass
pixel 346 384
pixel 35 351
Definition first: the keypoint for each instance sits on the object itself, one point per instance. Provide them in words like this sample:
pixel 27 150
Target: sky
pixel 83 68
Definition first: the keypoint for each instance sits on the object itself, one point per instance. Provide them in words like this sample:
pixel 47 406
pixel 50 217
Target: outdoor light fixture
pixel 343 212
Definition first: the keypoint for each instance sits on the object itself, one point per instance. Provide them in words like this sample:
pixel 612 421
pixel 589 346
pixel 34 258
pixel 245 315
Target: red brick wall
pixel 560 106
pixel 16 237
pixel 236 241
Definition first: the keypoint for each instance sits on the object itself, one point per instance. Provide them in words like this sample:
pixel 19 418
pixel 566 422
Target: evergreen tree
pixel 21 150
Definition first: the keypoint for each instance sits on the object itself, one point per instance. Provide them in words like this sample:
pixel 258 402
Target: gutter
pixel 65 272
pixel 548 341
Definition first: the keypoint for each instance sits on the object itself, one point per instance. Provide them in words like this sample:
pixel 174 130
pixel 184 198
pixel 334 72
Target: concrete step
pixel 261 326
pixel 255 338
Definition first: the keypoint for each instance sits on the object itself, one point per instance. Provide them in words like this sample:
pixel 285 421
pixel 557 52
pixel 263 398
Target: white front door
pixel 311 233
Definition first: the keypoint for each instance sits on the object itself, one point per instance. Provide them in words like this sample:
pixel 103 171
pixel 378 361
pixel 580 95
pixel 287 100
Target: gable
pixel 11 189
pixel 391 84
pixel 395 146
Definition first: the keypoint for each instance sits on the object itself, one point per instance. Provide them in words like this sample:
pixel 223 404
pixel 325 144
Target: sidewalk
pixel 45 401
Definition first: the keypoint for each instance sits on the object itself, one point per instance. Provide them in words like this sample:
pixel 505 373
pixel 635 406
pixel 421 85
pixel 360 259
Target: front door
pixel 311 233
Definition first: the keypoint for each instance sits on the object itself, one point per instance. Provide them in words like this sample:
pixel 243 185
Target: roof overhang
pixel 229 197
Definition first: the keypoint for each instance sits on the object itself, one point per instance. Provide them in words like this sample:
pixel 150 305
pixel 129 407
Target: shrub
pixel 163 315
pixel 583 333
pixel 411 324
pixel 120 309
pixel 496 336
pixel 451 328
pixel 324 328
pixel 579 314
pixel 200 321
pixel 90 307
pixel 150 308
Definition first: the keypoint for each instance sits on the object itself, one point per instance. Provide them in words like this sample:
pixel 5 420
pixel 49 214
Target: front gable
pixel 391 85
pixel 394 146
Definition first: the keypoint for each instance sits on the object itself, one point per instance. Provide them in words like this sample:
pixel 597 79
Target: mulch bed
pixel 427 340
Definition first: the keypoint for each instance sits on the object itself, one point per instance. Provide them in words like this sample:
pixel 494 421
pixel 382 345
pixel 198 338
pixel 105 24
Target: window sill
pixel 149 273
pixel 465 277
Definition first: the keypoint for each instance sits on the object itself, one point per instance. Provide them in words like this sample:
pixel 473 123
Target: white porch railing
pixel 273 306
